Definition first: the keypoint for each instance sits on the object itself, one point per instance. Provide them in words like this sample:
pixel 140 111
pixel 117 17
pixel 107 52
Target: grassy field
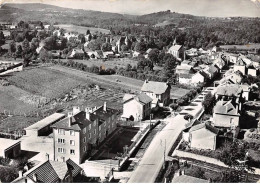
pixel 82 29
pixel 121 62
pixel 44 82
pixel 242 47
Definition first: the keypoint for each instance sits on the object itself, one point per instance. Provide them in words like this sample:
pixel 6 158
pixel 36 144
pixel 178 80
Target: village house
pixel 184 69
pixel 240 66
pixel 230 92
pixel 157 90
pixel 80 132
pixel 211 71
pixel 136 107
pixel 52 172
pixel 230 77
pixel 75 53
pixel 226 114
pixel 192 79
pixel 10 148
pixel 176 50
pixel 203 136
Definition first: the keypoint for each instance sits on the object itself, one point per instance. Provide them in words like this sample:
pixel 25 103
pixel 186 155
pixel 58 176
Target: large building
pixel 80 132
pixel 157 90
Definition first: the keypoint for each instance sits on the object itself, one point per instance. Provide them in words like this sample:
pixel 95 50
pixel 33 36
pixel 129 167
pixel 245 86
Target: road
pixel 153 159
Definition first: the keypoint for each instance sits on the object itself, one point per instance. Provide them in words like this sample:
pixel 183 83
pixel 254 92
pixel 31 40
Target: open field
pixel 177 92
pixel 82 29
pixel 44 82
pixel 242 47
pixel 111 63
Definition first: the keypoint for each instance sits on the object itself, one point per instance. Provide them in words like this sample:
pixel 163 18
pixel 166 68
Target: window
pixel 89 135
pixel 85 149
pixel 95 123
pixel 72 133
pixel 84 140
pixel 99 128
pixel 72 142
pixel 72 151
pixel 61 131
pixel 84 130
pixel 99 135
pixel 90 126
pixel 95 132
pixel 61 140
pixel 61 150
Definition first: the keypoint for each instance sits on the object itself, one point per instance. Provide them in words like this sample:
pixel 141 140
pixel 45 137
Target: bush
pixel 174 106
pixel 188 117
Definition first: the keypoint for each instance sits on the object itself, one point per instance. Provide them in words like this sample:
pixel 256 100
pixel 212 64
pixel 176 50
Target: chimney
pixel 76 110
pixel 35 177
pixel 20 173
pixel 47 156
pixel 105 106
pixel 70 121
pixel 87 114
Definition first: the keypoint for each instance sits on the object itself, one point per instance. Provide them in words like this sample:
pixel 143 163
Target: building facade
pixel 76 135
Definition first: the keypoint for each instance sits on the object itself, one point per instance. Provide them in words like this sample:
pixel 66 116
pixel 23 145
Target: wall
pixel 224 120
pixel 242 69
pixel 203 139
pixel 57 155
pixel 13 152
pixel 133 108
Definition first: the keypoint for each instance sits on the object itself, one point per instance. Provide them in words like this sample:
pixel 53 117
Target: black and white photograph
pixel 129 91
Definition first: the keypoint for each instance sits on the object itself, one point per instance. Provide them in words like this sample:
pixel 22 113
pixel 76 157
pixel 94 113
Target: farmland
pixel 111 63
pixel 43 82
pixel 82 29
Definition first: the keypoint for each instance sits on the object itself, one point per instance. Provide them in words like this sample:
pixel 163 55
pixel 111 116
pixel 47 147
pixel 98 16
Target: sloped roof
pixel 155 87
pixel 53 171
pixel 188 179
pixel 183 67
pixel 186 76
pixel 206 126
pixel 141 98
pixel 175 47
pixel 6 143
pixel 229 90
pixel 225 107
pixel 46 121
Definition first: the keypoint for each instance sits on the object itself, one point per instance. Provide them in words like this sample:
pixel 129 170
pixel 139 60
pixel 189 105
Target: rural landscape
pixel 89 96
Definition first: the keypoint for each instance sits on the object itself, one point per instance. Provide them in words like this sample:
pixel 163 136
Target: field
pixel 242 47
pixel 82 29
pixel 111 63
pixel 43 82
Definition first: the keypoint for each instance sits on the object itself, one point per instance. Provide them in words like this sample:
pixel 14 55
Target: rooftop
pixel 6 143
pixel 206 126
pixel 46 121
pixel 155 87
pixel 175 47
pixel 225 107
pixel 229 90
pixel 142 98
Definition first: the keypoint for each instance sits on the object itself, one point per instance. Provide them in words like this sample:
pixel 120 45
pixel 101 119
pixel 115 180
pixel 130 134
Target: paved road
pixel 153 159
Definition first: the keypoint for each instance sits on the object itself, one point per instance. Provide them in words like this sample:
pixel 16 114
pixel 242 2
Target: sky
pixel 212 8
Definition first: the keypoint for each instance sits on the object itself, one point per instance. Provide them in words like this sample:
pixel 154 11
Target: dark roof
pixel 154 86
pixel 79 120
pixel 212 69
pixel 186 76
pixel 141 98
pixel 206 126
pixel 53 171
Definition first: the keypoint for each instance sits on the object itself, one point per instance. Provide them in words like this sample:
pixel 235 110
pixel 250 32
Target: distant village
pixel 207 132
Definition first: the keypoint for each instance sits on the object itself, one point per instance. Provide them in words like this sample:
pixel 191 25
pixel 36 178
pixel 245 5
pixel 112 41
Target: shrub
pixel 174 106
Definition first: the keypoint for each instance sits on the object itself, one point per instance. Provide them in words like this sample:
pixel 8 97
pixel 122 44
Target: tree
pixel 124 48
pixel 82 39
pixel 153 55
pixel 188 117
pixel 106 47
pixel 19 51
pixel 208 103
pixel 231 176
pixel 12 46
pixel 140 47
pixel 34 44
pixel 2 38
pixel 26 46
